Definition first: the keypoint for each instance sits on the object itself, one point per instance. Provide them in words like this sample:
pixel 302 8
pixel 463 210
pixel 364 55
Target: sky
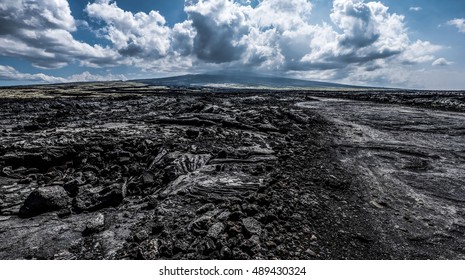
pixel 405 44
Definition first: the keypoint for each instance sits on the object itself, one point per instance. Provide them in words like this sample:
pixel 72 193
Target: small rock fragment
pixel 205 208
pixel 376 204
pixel 147 178
pixel 200 225
pixel 93 198
pixel 225 253
pixel 209 246
pixel 216 230
pixel 311 253
pixel 150 249
pixel 141 236
pixel 252 226
pixel 223 216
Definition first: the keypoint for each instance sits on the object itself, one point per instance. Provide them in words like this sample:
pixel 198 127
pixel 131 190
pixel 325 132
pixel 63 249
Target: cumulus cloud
pixel 8 73
pixel 370 32
pixel 459 23
pixel 273 35
pixel 182 38
pixel 282 34
pixel 219 27
pixel 416 9
pixel 419 52
pixel 441 62
pixel 278 34
pixel 40 31
pixel 138 35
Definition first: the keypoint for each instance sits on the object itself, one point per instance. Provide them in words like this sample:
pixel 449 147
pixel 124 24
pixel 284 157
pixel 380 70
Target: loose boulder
pixel 95 224
pixel 45 199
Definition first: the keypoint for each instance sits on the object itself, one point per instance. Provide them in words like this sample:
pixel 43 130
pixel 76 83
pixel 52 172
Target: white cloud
pixel 441 62
pixel 88 77
pixel 419 52
pixel 41 33
pixel 133 35
pixel 284 15
pixel 8 73
pixel 459 23
pixel 277 35
pixel 370 32
pixel 416 9
pixel 219 26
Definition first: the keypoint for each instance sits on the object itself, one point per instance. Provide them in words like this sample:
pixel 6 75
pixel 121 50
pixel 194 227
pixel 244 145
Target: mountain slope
pixel 239 81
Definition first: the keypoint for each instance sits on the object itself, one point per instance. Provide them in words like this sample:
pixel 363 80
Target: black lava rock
pixel 43 200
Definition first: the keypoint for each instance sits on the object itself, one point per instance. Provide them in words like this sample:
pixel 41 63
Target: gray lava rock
pixel 150 249
pixel 45 199
pixel 124 160
pixel 95 224
pixel 252 226
pixel 93 198
pixel 216 230
pixel 205 208
pixel 141 236
pixel 209 246
pixel 311 253
pixel 223 216
pixel 200 225
pixel 147 178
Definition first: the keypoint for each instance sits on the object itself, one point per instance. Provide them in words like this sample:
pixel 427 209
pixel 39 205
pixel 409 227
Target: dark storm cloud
pixel 182 38
pixel 353 58
pixel 131 50
pixel 358 42
pixel 214 42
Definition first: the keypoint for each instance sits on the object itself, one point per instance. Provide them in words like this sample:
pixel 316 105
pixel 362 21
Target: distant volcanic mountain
pixel 239 80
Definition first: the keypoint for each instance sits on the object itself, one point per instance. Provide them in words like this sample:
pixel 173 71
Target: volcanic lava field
pixel 132 171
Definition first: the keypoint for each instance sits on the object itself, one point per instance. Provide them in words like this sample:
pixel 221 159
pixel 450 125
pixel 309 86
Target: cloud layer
pixel 9 73
pixel 363 39
pixel 459 23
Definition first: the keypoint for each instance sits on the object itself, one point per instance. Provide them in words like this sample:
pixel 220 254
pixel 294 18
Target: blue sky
pixel 409 43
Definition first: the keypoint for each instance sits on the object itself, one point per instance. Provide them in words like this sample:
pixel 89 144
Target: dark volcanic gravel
pixel 183 175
